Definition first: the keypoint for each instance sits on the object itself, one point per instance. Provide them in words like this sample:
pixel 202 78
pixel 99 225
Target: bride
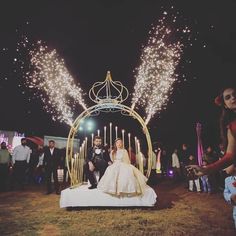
pixel 121 178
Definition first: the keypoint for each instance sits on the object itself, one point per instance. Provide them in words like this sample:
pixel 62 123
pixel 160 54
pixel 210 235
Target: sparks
pixel 156 74
pixel 52 82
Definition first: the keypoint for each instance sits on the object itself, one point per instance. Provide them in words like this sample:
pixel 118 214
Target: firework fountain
pixel 156 74
pixel 52 82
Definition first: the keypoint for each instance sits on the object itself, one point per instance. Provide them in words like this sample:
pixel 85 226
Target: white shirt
pixel 21 153
pixel 51 150
pixel 175 160
pixel 41 157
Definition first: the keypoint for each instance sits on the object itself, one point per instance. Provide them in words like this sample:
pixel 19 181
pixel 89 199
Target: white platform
pixel 84 197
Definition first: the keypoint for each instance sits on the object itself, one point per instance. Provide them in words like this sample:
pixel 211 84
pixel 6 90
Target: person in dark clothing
pixel 20 160
pixel 210 157
pixel 51 162
pixel 4 165
pixel 32 166
pixel 184 160
pixel 185 154
pixel 192 178
pixel 97 160
pixel 164 162
pixel 38 173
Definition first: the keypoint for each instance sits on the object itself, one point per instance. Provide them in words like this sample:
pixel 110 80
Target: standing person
pixel 38 178
pixel 227 101
pixel 32 166
pixel 176 165
pixel 121 178
pixel 210 157
pixel 230 191
pixel 97 160
pixel 193 178
pixel 153 178
pixel 184 160
pixel 51 163
pixel 164 162
pixel 20 159
pixel 185 154
pixel 4 165
pixel 221 151
pixel 205 180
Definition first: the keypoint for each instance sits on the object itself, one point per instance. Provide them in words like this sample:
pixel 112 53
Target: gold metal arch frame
pixel 106 103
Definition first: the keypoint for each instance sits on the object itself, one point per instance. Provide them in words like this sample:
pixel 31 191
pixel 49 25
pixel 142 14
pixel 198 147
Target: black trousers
pixel 3 177
pixel 19 173
pixel 100 166
pixel 49 172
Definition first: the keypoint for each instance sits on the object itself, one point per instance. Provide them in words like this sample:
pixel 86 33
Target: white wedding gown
pixel 121 178
pixel 122 185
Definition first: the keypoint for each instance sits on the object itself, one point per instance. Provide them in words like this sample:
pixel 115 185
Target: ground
pixel 178 212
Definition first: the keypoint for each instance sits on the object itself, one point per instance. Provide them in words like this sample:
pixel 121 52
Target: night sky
pixel 96 36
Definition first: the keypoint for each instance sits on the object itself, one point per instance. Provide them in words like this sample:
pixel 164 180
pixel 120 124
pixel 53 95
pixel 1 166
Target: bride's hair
pixel 115 148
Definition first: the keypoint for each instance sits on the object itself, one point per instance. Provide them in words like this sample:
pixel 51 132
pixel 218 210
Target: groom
pixel 97 160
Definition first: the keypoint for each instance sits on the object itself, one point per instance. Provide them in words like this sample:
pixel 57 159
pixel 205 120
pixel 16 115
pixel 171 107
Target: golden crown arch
pixel 108 96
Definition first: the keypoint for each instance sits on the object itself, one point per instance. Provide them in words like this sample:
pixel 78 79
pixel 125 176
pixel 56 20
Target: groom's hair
pixel 97 137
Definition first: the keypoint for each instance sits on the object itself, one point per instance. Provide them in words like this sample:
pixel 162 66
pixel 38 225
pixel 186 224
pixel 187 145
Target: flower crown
pixel 219 100
pixel 117 139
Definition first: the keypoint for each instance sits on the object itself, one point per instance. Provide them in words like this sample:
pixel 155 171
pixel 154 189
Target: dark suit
pixel 51 163
pixel 100 161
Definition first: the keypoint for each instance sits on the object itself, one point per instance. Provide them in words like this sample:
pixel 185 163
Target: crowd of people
pixel 209 183
pixel 26 166
pixel 30 166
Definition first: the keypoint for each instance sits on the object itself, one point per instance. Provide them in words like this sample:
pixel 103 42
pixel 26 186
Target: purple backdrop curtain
pixel 199 143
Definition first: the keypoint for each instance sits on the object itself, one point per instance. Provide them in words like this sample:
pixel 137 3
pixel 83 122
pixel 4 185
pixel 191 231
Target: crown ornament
pixel 108 91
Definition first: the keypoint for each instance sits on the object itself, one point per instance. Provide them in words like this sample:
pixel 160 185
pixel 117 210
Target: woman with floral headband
pixel 227 101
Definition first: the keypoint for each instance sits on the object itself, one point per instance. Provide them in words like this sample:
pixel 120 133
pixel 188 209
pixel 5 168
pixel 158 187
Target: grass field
pixel 178 212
